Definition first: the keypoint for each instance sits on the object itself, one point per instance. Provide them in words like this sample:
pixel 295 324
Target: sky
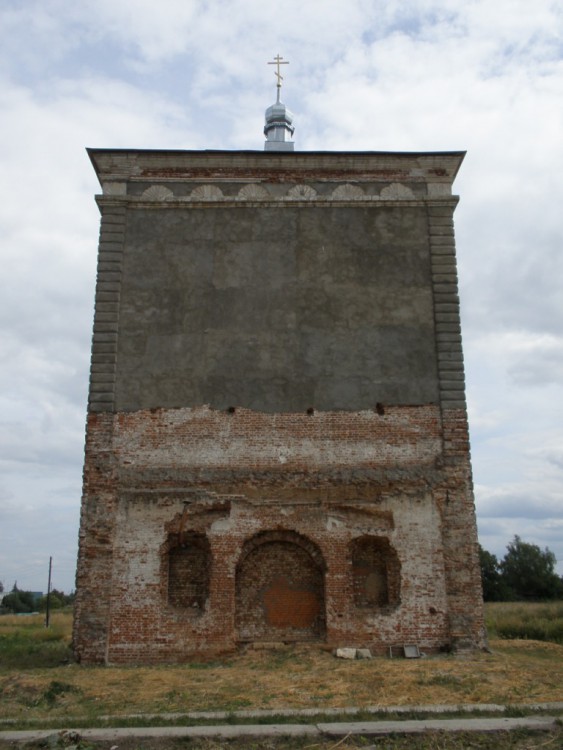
pixel 375 75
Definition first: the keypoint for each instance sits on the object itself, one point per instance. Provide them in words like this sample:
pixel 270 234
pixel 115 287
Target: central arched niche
pixel 280 589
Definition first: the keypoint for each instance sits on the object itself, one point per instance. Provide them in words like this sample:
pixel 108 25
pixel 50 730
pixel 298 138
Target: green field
pixel 531 621
pixel 41 686
pixel 26 643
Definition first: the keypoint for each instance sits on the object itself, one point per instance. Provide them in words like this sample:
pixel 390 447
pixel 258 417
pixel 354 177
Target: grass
pixel 26 643
pixel 527 620
pixel 39 685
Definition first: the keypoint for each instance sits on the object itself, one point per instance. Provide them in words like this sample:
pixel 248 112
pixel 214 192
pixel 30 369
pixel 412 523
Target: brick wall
pixel 279 589
pixel 282 510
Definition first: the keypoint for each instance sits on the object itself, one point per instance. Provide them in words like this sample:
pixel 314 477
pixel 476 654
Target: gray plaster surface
pixel 275 309
pixel 336 729
pixel 432 709
pixel 351 710
pixel 497 724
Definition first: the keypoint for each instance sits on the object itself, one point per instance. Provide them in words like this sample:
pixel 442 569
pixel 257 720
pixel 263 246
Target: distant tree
pixel 1 587
pixel 57 600
pixel 19 601
pixel 493 588
pixel 529 572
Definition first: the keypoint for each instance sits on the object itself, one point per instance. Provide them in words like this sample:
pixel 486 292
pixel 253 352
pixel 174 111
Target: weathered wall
pixel 279 588
pixel 277 443
pixel 276 308
pixel 333 478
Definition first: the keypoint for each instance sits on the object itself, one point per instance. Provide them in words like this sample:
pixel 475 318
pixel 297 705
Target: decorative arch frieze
pixel 207 193
pixel 397 191
pixel 302 192
pixel 253 192
pixel 348 192
pixel 157 193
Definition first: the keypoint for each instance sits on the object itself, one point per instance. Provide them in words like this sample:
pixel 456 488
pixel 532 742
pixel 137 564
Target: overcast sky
pixel 484 76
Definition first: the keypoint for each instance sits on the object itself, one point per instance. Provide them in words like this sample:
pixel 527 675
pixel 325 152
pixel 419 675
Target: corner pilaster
pixel 106 316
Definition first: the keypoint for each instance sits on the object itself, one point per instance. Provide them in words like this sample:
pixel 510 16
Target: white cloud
pixel 363 74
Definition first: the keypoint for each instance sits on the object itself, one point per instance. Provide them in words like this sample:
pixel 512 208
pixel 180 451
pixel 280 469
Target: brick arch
pixel 279 589
pixel 376 572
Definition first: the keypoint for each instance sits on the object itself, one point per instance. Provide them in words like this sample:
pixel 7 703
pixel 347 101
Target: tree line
pixel 526 572
pixel 22 602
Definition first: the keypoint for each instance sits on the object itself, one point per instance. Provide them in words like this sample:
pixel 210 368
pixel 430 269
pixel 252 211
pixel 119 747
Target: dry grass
pixel 296 677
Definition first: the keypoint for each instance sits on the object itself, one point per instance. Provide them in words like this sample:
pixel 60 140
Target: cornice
pixel 302 166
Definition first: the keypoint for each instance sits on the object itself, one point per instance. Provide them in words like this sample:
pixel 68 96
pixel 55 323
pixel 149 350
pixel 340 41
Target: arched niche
pixel 279 589
pixel 189 566
pixel 376 572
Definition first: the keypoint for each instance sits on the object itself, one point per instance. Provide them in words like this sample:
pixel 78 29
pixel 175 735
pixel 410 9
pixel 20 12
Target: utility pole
pixel 47 612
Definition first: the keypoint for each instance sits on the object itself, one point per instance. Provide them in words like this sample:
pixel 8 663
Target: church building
pixel 277 443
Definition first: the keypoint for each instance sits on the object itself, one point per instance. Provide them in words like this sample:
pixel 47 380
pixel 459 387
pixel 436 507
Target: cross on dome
pixel 279 120
pixel 277 61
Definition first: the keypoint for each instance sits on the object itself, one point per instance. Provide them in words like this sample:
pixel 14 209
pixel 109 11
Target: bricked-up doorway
pixel 280 589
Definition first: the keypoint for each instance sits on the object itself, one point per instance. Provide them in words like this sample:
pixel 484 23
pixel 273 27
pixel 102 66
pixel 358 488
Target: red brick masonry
pixel 202 529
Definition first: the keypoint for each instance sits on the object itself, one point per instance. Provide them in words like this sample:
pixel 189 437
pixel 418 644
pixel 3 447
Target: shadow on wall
pixel 376 573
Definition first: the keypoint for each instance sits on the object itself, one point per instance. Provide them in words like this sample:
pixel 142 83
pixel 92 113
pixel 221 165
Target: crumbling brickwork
pixel 279 588
pixel 277 443
pixel 189 568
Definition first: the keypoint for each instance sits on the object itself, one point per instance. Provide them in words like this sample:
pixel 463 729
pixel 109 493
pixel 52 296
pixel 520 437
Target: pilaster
pixel 106 316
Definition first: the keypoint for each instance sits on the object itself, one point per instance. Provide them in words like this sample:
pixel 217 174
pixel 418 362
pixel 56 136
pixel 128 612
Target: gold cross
pixel 278 61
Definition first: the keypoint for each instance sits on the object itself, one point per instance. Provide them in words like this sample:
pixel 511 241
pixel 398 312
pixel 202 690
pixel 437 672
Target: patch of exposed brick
pixel 284 533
